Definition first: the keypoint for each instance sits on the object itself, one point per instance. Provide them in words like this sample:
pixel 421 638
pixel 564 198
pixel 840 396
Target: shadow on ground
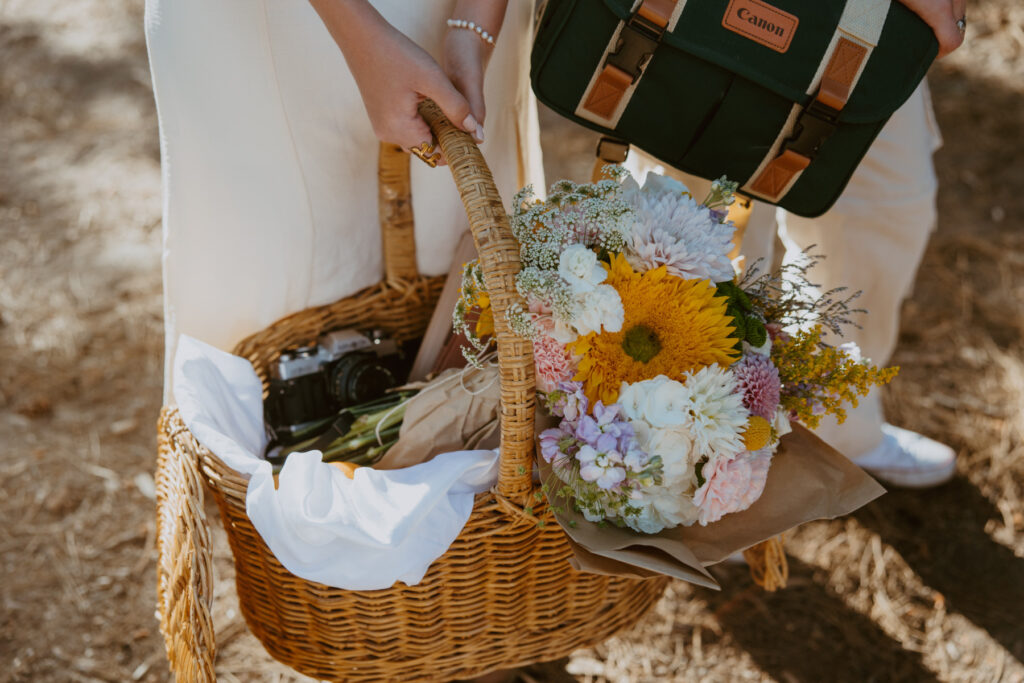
pixel 805 633
pixel 941 534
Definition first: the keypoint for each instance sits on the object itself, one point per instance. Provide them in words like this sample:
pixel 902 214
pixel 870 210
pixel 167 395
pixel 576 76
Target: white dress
pixel 270 162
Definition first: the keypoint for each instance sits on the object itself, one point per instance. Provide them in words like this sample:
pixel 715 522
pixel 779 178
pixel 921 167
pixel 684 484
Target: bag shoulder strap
pixel 622 65
pixel 807 128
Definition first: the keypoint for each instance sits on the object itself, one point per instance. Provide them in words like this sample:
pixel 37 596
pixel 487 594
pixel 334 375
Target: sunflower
pixel 485 322
pixel 671 326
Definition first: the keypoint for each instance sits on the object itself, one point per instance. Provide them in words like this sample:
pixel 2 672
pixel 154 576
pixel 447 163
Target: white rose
pixel 663 507
pixel 676 510
pixel 781 422
pixel 667 403
pixel 642 433
pixel 599 308
pixel 675 448
pixel 578 266
pixel 673 445
pixel 631 400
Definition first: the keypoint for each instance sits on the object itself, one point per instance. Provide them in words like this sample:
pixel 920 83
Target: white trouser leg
pixel 874 238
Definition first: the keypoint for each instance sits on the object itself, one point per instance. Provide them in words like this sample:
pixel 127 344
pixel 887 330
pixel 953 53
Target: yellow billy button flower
pixel 757 434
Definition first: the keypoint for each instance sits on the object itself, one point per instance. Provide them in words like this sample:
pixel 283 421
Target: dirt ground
pixel 917 586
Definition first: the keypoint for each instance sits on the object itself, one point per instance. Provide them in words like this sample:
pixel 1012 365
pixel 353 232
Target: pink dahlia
pixel 553 363
pixel 758 380
pixel 731 485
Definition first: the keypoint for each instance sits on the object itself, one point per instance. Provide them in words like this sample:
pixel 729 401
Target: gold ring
pixel 427 153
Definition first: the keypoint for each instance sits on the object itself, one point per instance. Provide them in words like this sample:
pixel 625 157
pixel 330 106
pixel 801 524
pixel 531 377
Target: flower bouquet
pixel 671 379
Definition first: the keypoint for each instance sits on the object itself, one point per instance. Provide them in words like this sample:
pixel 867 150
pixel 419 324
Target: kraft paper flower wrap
pixel 808 480
pixel 457 410
pixel 676 388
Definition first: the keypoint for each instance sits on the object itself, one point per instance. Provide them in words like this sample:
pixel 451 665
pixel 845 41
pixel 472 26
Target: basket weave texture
pixel 503 594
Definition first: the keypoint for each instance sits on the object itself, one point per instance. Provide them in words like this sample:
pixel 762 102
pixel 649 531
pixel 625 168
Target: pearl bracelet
pixel 471 26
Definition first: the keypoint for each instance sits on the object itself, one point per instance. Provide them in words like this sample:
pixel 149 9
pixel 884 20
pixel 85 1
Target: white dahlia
pixel 674 231
pixel 669 503
pixel 717 414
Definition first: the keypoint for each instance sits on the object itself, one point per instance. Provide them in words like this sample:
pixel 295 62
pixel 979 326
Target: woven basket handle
pixel 185 556
pixel 499 259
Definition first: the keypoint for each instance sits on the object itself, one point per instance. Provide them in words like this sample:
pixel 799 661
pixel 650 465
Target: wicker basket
pixel 503 595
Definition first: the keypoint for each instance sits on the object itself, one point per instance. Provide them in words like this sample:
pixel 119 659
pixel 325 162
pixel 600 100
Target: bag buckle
pixel 612 150
pixel 637 41
pixel 816 123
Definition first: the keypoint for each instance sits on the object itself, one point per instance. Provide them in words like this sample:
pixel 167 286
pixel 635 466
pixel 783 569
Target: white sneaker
pixel 909 460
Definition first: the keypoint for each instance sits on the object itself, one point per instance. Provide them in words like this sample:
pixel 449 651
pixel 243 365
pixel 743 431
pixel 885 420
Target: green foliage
pixel 748 322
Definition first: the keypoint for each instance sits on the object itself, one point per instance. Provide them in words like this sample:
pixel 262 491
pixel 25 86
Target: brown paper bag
pixel 455 411
pixel 808 480
pixel 439 329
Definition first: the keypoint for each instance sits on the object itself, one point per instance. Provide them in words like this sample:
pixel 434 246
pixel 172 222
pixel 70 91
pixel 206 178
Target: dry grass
pixel 917 586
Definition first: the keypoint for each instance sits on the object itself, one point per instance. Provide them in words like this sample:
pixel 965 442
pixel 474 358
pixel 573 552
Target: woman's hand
pixel 942 16
pixel 466 54
pixel 465 61
pixel 393 74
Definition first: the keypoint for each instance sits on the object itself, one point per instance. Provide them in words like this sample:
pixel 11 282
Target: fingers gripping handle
pixel 499 259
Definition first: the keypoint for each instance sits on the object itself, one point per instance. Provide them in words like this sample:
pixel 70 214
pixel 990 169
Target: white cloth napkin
pixel 363 533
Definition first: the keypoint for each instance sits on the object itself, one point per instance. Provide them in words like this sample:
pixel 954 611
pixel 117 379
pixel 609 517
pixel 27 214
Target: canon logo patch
pixel 761 23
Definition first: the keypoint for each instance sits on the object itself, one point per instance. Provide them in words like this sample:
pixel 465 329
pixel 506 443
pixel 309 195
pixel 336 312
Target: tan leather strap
pixel 657 11
pixel 836 84
pixel 778 174
pixel 739 215
pixel 609 151
pixel 808 127
pixel 608 91
pixel 622 65
pixel 841 72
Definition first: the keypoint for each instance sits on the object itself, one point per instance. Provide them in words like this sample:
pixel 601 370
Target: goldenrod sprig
pixel 819 380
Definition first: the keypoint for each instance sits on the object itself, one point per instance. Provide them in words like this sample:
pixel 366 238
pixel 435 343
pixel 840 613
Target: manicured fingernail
pixel 479 133
pixel 469 124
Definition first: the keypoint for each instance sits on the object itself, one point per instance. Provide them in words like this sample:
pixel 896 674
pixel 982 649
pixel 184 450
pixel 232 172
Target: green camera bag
pixel 784 98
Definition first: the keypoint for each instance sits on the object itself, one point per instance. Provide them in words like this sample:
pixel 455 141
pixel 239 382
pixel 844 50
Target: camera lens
pixel 358 378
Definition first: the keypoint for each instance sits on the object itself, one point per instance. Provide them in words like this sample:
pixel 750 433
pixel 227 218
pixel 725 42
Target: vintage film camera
pixel 311 383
